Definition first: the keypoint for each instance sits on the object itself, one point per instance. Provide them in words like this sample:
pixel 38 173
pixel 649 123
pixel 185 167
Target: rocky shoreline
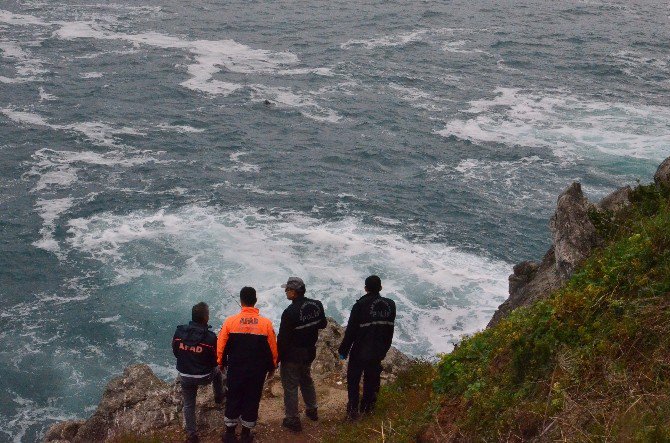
pixel 573 238
pixel 139 404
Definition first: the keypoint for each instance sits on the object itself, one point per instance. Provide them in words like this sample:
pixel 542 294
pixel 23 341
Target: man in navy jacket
pixel 366 341
pixel 194 345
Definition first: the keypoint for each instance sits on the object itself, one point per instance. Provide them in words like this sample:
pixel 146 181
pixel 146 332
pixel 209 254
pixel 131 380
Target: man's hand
pixel 342 357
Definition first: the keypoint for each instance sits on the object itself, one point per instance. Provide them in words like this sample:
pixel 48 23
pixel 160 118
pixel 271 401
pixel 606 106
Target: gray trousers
pixel 189 391
pixel 294 376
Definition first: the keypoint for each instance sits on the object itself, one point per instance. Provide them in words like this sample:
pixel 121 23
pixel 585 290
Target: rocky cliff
pixel 137 403
pixel 573 238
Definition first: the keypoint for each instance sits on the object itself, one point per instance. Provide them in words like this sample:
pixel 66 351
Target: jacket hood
pixel 195 333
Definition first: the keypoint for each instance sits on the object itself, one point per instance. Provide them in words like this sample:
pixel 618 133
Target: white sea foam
pixel 239 165
pixel 179 128
pixel 210 55
pixel 58 169
pixel 99 133
pixel 403 38
pixel 91 74
pixel 27 66
pixel 28 413
pixel 461 47
pixel 418 98
pixel 571 126
pixel 287 98
pixel 50 211
pixel 45 96
pixel 457 291
pixel 20 19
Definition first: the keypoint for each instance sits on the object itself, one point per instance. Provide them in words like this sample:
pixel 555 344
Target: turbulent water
pixel 159 154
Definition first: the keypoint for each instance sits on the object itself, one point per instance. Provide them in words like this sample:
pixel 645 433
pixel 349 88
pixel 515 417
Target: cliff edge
pixel 137 404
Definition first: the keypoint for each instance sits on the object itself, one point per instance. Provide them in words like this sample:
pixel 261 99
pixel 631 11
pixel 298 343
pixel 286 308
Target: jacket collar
pixel 299 299
pixel 250 310
pixel 195 325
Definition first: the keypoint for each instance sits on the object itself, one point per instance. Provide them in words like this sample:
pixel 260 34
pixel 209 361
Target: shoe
pixel 229 436
pixel 352 416
pixel 292 423
pixel 192 439
pixel 312 414
pixel 246 436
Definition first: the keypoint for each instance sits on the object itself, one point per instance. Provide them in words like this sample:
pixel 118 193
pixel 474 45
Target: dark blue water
pixel 159 154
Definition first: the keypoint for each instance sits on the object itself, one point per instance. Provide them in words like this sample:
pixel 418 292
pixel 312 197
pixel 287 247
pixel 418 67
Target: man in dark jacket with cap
pixel 194 345
pixel 296 342
pixel 366 341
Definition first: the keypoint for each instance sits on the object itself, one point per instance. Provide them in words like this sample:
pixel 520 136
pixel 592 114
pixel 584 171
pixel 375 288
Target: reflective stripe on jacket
pixel 194 345
pixel 247 341
pixel 370 329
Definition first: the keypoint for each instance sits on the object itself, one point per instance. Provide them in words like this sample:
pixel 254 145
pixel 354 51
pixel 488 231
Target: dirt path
pixel 332 406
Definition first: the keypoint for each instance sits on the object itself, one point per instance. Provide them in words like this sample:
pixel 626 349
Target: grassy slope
pixel 591 363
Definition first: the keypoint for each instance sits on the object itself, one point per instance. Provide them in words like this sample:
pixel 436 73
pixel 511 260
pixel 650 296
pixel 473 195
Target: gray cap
pixel 293 283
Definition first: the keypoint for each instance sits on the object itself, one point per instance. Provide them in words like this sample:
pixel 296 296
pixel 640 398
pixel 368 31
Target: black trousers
pixel 371 374
pixel 243 397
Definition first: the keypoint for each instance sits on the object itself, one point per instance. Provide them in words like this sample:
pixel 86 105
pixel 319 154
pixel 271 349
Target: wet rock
pixel 662 175
pixel 572 231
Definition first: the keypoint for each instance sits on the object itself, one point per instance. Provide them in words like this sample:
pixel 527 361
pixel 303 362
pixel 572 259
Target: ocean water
pixel 160 153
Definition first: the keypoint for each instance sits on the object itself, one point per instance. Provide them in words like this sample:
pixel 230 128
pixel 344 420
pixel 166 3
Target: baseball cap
pixel 293 283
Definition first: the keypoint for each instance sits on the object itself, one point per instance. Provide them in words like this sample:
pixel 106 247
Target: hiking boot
pixel 312 414
pixel 193 438
pixel 246 436
pixel 292 423
pixel 229 436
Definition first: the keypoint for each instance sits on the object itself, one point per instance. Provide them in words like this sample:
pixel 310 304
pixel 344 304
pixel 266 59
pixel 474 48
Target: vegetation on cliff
pixel 589 363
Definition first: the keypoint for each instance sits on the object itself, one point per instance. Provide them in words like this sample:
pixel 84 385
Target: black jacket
pixel 370 329
pixel 299 330
pixel 194 345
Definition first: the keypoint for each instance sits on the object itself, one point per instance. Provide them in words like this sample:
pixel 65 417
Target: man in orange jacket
pixel 247 346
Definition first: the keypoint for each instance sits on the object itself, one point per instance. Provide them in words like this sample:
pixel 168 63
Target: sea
pixel 160 153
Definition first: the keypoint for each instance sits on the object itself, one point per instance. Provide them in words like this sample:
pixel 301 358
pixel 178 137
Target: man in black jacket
pixel 194 345
pixel 296 342
pixel 366 341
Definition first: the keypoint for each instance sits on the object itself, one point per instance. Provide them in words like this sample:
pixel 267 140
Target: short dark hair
pixel 200 312
pixel 248 296
pixel 373 283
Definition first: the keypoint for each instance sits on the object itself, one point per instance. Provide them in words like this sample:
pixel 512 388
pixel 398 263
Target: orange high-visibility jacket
pixel 247 341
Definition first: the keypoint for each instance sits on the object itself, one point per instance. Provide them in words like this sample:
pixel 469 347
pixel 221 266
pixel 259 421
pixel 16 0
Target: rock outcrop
pixel 572 231
pixel 138 403
pixel 573 238
pixel 662 176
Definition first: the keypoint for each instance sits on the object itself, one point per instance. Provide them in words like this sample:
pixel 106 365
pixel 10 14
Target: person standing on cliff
pixel 194 345
pixel 366 341
pixel 247 346
pixel 298 333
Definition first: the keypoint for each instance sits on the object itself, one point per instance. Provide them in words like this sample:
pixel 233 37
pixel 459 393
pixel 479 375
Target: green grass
pixel 592 362
pixel 404 409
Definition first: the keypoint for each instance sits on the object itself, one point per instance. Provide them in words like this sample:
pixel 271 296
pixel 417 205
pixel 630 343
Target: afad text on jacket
pixel 194 345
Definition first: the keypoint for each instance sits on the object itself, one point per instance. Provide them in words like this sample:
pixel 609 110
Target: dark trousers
pixel 294 376
pixel 189 392
pixel 371 373
pixel 243 398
